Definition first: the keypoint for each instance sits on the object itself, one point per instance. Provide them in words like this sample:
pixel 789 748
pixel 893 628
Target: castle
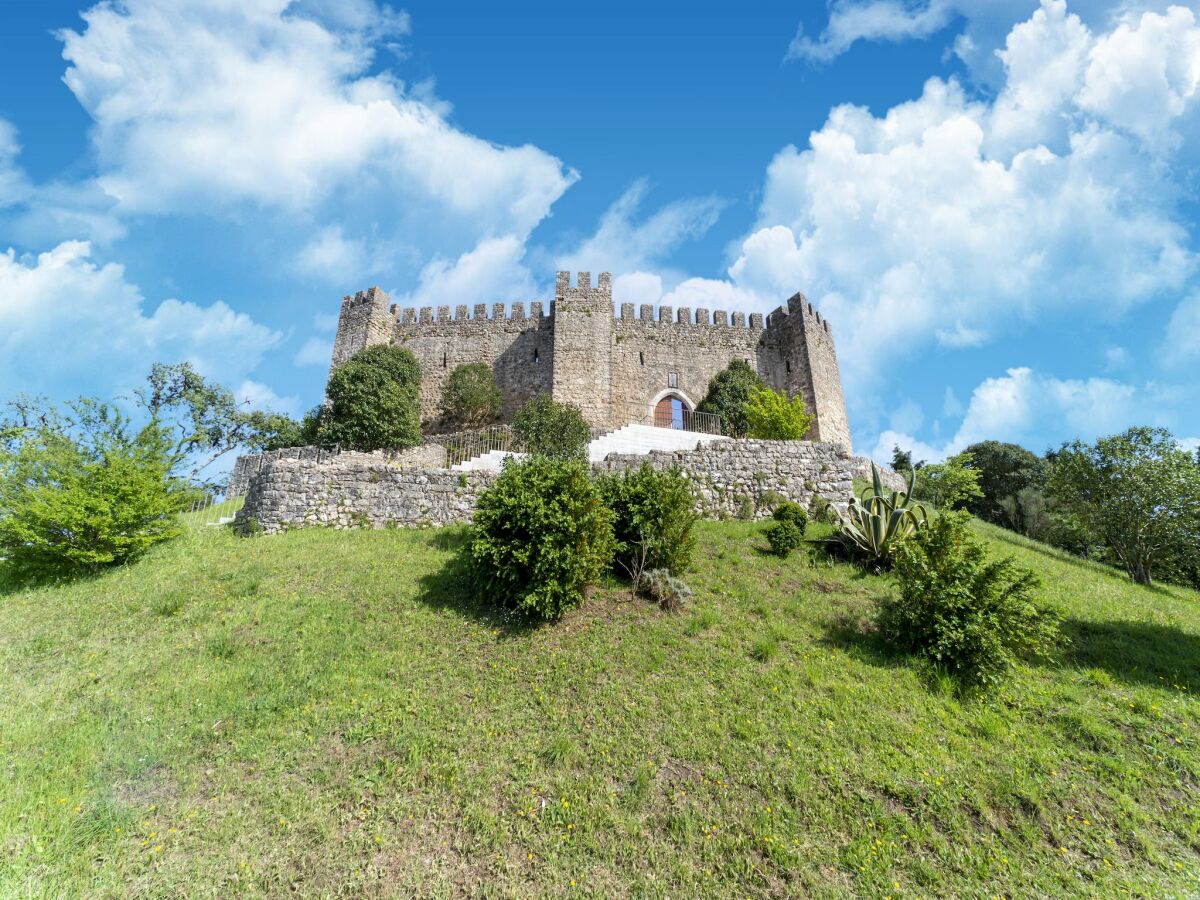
pixel 617 369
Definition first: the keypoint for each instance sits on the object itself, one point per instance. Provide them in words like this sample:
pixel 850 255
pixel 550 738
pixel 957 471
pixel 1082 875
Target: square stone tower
pixel 583 339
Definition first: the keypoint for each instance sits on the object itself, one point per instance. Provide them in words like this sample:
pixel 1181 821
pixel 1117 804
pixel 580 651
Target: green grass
pixel 331 713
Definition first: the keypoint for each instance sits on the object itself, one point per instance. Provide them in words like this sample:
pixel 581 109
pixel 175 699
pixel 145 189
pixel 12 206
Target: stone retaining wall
pixel 369 490
pixel 725 474
pixel 426 456
pixel 893 481
pixel 356 490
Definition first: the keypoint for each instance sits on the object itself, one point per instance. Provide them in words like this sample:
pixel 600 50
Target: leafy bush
pixel 373 401
pixel 541 536
pixel 665 589
pixel 770 415
pixel 82 492
pixel 728 394
pixel 950 484
pixel 962 611
pixel 787 511
pixel 878 521
pixel 654 517
pixel 471 396
pixel 746 509
pixel 549 428
pixel 784 536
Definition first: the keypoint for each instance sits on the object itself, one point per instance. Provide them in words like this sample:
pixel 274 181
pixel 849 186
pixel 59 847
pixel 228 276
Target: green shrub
pixel 728 394
pixel 549 428
pixel 746 509
pixel 787 511
pixel 770 415
pixel 784 537
pixel 970 614
pixel 470 396
pixel 77 496
pixel 665 589
pixel 541 536
pixel 654 519
pixel 373 401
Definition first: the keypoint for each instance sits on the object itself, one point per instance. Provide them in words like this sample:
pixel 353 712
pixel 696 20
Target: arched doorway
pixel 670 411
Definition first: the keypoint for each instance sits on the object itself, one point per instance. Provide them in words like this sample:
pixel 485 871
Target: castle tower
pixel 811 369
pixel 366 319
pixel 583 338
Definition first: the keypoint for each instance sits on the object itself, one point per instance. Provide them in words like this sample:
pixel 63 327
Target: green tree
pixel 949 484
pixel 549 428
pixel 82 489
pixel 728 394
pixel 655 517
pixel 203 420
pixel 770 415
pixel 374 401
pixel 1005 470
pixel 471 396
pixel 1137 492
pixel 902 461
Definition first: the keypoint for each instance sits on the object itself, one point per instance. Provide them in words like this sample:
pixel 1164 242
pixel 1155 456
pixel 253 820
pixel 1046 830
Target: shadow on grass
pixel 860 638
pixel 453 589
pixel 1135 652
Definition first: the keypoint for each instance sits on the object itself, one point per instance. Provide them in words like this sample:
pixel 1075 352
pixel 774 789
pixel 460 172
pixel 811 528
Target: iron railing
pixel 689 420
pixel 461 447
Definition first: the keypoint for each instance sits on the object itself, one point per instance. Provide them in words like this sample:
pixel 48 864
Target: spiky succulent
pixel 875 523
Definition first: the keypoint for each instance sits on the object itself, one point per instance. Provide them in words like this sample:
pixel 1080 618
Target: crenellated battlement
pixel 615 361
pixel 480 314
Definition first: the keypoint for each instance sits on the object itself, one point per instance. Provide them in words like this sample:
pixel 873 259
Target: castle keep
pixel 618 369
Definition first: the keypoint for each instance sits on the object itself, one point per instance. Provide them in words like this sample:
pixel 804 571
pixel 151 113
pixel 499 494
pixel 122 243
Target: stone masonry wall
pixel 356 490
pixel 363 490
pixel 431 456
pixel 726 473
pixel 613 368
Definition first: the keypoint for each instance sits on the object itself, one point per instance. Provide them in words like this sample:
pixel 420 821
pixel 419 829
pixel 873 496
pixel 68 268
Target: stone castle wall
pixel 368 490
pixel 613 367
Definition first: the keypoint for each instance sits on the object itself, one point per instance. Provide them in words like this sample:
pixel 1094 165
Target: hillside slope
pixel 331 713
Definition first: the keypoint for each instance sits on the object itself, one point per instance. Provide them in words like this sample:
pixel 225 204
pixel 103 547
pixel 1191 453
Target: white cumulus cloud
pixel 67 321
pixel 954 220
pixel 204 106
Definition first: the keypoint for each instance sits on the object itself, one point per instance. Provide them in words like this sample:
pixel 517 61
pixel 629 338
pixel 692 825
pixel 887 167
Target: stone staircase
pixel 642 439
pixel 632 439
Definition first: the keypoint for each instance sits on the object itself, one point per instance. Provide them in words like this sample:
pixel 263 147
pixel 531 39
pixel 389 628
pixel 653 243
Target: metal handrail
pixel 690 420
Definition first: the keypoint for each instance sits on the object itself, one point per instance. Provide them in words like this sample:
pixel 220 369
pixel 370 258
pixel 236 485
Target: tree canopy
pixel 374 401
pixel 1137 492
pixel 728 394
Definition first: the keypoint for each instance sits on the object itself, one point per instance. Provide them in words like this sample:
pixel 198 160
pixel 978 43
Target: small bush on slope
pixel 76 497
pixel 972 615
pixel 541 536
pixel 654 519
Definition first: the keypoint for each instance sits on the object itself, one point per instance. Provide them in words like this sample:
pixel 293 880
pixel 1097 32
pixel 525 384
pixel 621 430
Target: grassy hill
pixel 332 713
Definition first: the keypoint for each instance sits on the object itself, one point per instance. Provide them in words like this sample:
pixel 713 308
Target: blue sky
pixel 993 203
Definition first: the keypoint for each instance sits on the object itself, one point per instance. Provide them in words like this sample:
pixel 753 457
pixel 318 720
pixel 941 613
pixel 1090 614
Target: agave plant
pixel 876 522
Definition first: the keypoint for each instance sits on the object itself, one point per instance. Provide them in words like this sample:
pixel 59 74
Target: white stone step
pixel 631 439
